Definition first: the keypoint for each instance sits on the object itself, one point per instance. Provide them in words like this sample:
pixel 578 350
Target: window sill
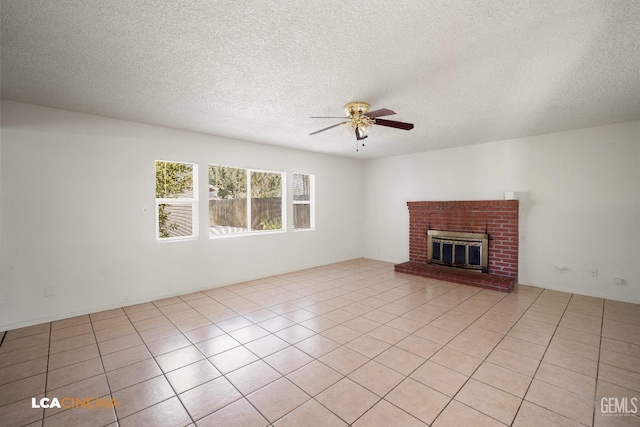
pixel 176 239
pixel 244 234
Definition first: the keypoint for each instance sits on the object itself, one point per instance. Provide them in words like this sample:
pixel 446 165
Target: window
pixel 303 202
pixel 244 201
pixel 176 200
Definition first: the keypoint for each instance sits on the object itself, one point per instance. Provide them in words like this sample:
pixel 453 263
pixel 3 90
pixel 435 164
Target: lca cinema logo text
pixel 617 406
pixel 73 402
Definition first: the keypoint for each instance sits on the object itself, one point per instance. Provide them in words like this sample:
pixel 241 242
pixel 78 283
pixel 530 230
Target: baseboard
pixel 586 294
pixel 98 308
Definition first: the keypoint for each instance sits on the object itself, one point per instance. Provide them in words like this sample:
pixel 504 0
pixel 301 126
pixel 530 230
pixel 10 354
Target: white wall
pixel 579 195
pixel 73 187
pixel 1 266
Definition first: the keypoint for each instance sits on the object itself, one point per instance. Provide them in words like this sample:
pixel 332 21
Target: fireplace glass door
pixel 464 250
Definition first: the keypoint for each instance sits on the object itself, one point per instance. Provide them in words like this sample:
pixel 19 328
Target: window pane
pixel 227 183
pixel 227 216
pixel 227 200
pixel 266 184
pixel 302 216
pixel 266 201
pixel 301 188
pixel 175 220
pixel 174 180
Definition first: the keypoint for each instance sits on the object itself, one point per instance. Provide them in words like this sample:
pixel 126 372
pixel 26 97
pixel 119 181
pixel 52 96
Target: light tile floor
pixel 348 343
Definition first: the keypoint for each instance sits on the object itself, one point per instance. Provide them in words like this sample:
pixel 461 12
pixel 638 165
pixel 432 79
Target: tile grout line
pixel 123 366
pixel 418 367
pixel 340 345
pixel 444 345
pixel 46 377
pixel 222 375
pixel 154 358
pixel 317 359
pixel 104 370
pixel 483 360
pixel 226 333
pixel 542 357
pixel 540 363
pixel 523 313
pixel 284 376
pixel 303 301
pixel 595 391
pixel 164 375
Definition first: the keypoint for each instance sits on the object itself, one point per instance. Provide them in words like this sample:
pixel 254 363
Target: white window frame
pixel 193 201
pixel 311 202
pixel 283 204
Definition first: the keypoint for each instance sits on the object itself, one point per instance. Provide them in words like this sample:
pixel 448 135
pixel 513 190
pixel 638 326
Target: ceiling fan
pixel 359 119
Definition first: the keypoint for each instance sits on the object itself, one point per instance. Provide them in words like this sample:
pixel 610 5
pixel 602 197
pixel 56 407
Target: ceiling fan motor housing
pixel 357 108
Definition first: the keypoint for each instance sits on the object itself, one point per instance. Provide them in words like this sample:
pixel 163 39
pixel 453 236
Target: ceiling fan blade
pixel 327 128
pixel 379 113
pixel 394 124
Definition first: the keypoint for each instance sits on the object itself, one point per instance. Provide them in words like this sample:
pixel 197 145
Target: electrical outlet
pixel 593 272
pixel 48 291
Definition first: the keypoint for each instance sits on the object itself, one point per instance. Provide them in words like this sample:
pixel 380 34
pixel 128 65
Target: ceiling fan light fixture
pixel 359 121
pixel 362 127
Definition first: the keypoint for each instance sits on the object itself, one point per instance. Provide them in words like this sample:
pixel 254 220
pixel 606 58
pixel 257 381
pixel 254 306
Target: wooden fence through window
pixel 233 212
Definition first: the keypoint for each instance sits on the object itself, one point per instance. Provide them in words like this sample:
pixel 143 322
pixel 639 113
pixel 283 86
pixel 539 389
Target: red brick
pixel 497 217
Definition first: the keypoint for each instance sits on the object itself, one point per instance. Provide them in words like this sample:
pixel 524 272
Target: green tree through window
pixel 231 183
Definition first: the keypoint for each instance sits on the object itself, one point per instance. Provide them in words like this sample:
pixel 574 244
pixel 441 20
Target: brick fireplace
pixel 497 218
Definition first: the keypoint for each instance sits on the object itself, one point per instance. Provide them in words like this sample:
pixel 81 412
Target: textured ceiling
pixel 463 71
